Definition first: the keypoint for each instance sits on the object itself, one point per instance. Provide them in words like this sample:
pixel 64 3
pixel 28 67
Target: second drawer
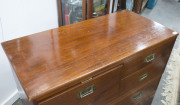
pixel 140 77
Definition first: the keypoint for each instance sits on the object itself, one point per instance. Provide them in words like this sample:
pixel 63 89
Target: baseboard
pixel 12 98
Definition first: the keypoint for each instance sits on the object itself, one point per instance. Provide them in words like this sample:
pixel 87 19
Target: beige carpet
pixel 172 80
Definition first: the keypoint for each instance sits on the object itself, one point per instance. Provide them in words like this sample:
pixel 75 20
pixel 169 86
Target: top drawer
pixel 97 90
pixel 158 54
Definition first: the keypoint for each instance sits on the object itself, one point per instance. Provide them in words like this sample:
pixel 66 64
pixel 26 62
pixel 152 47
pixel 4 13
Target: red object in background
pixel 66 15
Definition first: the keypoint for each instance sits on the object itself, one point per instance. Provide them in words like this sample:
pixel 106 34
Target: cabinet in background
pixel 73 11
pixel 139 5
pixel 134 5
pixel 97 8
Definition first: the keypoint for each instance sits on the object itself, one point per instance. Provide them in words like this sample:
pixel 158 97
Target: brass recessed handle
pixel 87 91
pixel 138 96
pixel 149 58
pixel 87 80
pixel 144 76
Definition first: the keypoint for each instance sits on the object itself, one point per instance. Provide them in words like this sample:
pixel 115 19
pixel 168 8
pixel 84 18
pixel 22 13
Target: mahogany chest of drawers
pixel 116 59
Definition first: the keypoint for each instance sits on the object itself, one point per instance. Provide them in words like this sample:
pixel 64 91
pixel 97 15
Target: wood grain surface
pixel 51 61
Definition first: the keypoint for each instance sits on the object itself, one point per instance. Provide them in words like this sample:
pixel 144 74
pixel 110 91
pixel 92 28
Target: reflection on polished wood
pixel 49 62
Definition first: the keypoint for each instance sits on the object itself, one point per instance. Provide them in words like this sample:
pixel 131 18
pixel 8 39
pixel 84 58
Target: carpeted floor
pixel 167 13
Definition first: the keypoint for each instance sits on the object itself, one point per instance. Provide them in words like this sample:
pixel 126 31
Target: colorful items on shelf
pixel 99 7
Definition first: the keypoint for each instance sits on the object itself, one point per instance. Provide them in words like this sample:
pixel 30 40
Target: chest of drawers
pixel 115 59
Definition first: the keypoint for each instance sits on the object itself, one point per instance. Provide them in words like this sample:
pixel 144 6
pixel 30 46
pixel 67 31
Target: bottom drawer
pixel 142 96
pixel 147 101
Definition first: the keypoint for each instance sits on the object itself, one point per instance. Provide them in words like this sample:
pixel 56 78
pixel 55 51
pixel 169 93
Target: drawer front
pixel 141 96
pixel 141 77
pixel 94 91
pixel 144 58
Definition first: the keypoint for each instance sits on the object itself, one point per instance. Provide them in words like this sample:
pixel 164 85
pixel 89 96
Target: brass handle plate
pixel 144 76
pixel 86 92
pixel 138 96
pixel 86 80
pixel 149 58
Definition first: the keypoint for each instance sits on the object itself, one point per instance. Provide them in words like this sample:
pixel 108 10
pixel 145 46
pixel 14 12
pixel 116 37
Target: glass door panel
pixel 71 11
pixel 100 7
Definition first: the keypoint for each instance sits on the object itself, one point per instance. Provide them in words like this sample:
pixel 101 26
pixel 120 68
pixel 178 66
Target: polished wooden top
pixel 53 60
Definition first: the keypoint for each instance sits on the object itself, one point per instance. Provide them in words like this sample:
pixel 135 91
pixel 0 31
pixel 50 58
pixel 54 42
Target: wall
pixel 20 18
pixel 1 32
pixel 7 86
pixel 24 17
